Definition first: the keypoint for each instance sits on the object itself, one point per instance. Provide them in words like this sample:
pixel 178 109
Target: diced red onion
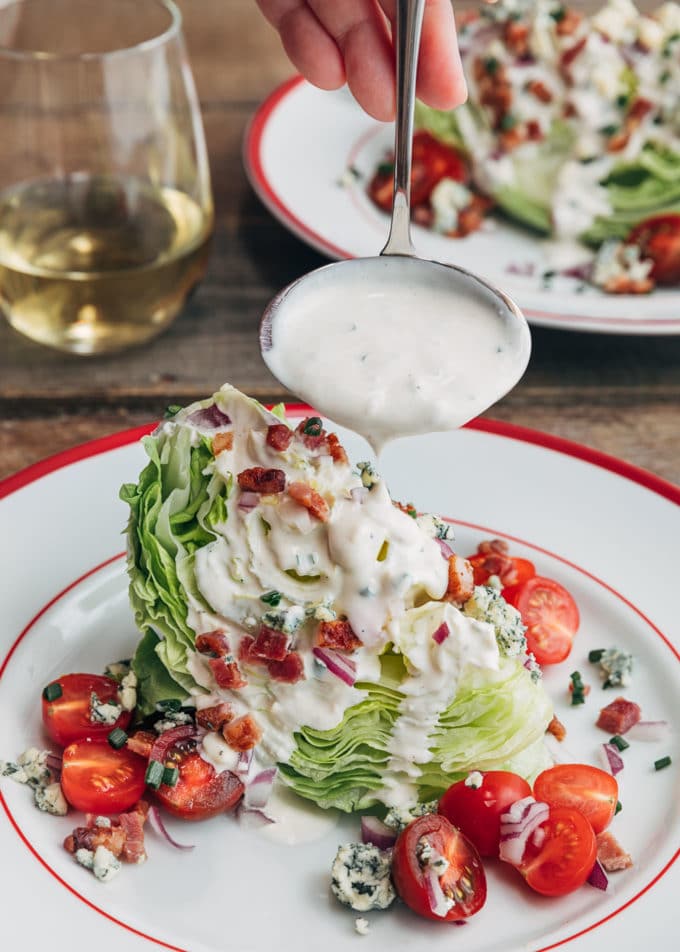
pixel 252 818
pixel 359 494
pixel 517 826
pixel 439 904
pixel 259 789
pixel 525 269
pixel 245 758
pixel 158 825
pixel 648 730
pixel 442 633
pixel 611 759
pixel 210 418
pixel 598 877
pixel 538 837
pixel 446 549
pixel 248 501
pixel 378 833
pixel 342 667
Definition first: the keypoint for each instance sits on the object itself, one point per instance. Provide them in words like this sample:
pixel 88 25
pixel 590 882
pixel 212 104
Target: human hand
pixel 336 41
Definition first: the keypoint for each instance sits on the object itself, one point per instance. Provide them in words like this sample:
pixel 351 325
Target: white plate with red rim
pixel 604 529
pixel 298 150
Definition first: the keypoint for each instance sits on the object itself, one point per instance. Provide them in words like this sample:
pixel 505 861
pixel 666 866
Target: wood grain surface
pixel 615 393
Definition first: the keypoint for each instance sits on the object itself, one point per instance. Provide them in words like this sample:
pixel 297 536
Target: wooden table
pixel 615 393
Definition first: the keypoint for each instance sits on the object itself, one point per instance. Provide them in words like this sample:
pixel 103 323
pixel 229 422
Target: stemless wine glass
pixel 105 203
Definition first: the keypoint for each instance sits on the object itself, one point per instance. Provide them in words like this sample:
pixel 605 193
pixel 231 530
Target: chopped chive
pixel 172 411
pixel 577 697
pixel 170 776
pixel 619 807
pixel 271 598
pixel 117 738
pixel 154 774
pixel 662 762
pixel 508 122
pixel 169 704
pixel 313 426
pixel 52 691
pixel 491 65
pixel 594 656
pixel 386 168
pixel 619 742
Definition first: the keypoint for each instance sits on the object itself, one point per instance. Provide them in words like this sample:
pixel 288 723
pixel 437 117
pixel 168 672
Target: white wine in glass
pixel 105 202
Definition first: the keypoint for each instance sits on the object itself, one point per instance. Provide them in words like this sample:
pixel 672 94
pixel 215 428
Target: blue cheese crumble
pixel 398 818
pixel 50 799
pixel 360 877
pixel 368 475
pixel 487 604
pixel 104 712
pixel 31 769
pixel 616 668
pixel 362 926
pixel 474 780
pixel 105 866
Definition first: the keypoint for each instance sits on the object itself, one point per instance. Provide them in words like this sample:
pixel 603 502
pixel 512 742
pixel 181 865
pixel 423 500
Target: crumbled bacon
pixel 141 743
pixel 227 674
pixel 611 854
pixel 516 36
pixel 471 218
pixel 257 479
pixel 90 837
pixel 290 670
pixel 245 651
pixel 124 837
pixel 242 733
pixel 336 449
pixel 270 644
pixel 313 441
pixel 338 635
pixel 461 579
pixel 494 88
pixel 303 494
pixel 215 717
pixel 222 442
pixel 132 825
pixel 622 284
pixel 539 90
pixel 569 55
pixel 556 728
pixel 213 643
pixel 279 436
pixel 619 716
pixel 636 113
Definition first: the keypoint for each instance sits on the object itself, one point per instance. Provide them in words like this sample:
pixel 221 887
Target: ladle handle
pixel 408 28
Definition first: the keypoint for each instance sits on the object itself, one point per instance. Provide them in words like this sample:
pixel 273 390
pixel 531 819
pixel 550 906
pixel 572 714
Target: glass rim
pixel 172 31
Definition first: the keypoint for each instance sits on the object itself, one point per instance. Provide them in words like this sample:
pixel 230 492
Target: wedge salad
pixel 303 636
pixel 572 128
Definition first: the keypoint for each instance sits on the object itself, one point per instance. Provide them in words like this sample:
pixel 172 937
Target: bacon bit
pixel 539 90
pixel 461 580
pixel 338 635
pixel 496 561
pixel 243 733
pixel 619 716
pixel 279 436
pixel 214 718
pixel 534 131
pixel 303 494
pixel 246 655
pixel 270 644
pixel 290 670
pixel 471 218
pixel 336 449
pixel 611 854
pixel 636 113
pixel 494 89
pixel 213 643
pixel 569 23
pixel 556 728
pixel 312 441
pixel 222 442
pixel 639 109
pixel 90 837
pixel 510 139
pixel 406 507
pixel 132 825
pixel 226 673
pixel 616 143
pixel 261 480
pixel 516 36
pixel 141 743
pixel 625 285
pixel 569 110
pixel 568 56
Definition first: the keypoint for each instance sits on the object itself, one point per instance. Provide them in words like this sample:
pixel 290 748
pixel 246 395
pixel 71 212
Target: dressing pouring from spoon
pixel 394 345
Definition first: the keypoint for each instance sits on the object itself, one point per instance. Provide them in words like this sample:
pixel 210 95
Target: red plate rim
pixel 254 166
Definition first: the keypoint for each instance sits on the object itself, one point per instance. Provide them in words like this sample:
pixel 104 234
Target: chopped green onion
pixel 491 65
pixel 313 426
pixel 271 598
pixel 386 168
pixel 508 122
pixel 662 762
pixel 154 774
pixel 52 691
pixel 117 738
pixel 619 742
pixel 172 411
pixel 609 130
pixel 577 697
pixel 577 693
pixel 594 656
pixel 619 807
pixel 170 776
pixel 169 704
pixel 559 14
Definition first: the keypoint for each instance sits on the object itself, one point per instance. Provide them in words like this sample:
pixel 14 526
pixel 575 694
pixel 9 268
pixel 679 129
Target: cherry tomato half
pixel 550 614
pixel 591 791
pixel 96 778
pixel 463 880
pixel 431 162
pixel 519 570
pixel 68 717
pixel 565 857
pixel 200 791
pixel 477 811
pixel 658 238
